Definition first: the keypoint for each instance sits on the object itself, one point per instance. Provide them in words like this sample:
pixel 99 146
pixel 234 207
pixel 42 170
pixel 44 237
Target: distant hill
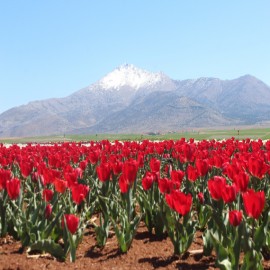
pixel 133 100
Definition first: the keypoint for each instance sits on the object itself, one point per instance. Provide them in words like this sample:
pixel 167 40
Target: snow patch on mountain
pixel 131 76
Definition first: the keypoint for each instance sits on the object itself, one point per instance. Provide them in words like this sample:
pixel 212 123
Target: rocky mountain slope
pixel 130 99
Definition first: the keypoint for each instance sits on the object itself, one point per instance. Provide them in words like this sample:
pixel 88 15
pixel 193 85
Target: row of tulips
pixel 49 194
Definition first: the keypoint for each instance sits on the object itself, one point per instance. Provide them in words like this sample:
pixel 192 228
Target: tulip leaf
pixel 207 243
pixel 223 260
pixel 72 245
pixel 252 260
pixel 261 232
pixel 51 225
pixel 204 215
pixel 49 246
pixel 225 264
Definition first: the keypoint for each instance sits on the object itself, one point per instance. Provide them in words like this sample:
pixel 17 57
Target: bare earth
pixel 146 252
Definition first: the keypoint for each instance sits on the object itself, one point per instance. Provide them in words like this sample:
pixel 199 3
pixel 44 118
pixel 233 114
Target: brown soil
pixel 146 252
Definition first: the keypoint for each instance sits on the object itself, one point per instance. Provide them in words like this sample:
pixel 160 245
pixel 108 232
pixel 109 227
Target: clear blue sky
pixel 53 48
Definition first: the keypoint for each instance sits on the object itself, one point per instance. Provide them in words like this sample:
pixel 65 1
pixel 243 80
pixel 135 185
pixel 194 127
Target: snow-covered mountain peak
pixel 129 75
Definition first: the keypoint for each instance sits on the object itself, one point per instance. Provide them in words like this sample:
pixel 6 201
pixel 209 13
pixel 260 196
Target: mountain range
pixel 132 100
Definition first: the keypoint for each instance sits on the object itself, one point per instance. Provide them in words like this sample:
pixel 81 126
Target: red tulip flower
pixel 60 185
pixel 35 176
pixel 129 174
pixel 13 188
pixel 47 176
pixel 241 181
pixel 117 167
pixel 78 172
pixel 217 161
pixel 229 193
pixel 79 192
pixel 192 173
pixel 167 169
pixel 130 168
pixel 72 222
pixel 179 201
pixel 235 217
pixel 201 197
pixel 202 166
pixel 182 202
pixel 26 168
pixel 104 171
pixel 47 195
pixel 83 164
pixel 155 165
pixel 48 211
pixel 93 157
pixel 123 184
pixel 254 203
pixel 188 152
pixel 165 185
pixel 5 175
pixel 169 200
pixel 148 180
pixel 216 186
pixel 140 160
pixel 257 167
pixel 177 176
pixel 71 177
pixel 231 169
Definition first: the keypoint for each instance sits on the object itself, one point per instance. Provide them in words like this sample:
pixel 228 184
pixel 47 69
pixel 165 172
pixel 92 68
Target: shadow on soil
pixel 203 263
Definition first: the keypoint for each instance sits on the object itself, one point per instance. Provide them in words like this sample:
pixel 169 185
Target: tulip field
pixel 51 193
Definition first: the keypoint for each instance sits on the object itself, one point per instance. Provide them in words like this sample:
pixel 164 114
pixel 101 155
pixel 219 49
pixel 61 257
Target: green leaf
pixel 135 223
pixel 72 240
pixel 33 215
pixel 205 213
pixel 51 225
pixel 207 243
pixel 236 249
pixel 189 241
pixel 225 264
pixel 103 203
pixel 101 235
pixel 252 260
pixel 49 246
pixel 260 233
pixel 223 260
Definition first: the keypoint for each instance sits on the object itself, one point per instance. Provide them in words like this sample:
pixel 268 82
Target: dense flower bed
pixel 49 193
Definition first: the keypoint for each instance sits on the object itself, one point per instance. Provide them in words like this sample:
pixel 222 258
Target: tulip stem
pixel 253 229
pixel 3 214
pixel 238 203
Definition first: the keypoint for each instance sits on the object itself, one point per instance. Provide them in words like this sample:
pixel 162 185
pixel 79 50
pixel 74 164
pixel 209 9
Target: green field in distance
pixel 197 134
